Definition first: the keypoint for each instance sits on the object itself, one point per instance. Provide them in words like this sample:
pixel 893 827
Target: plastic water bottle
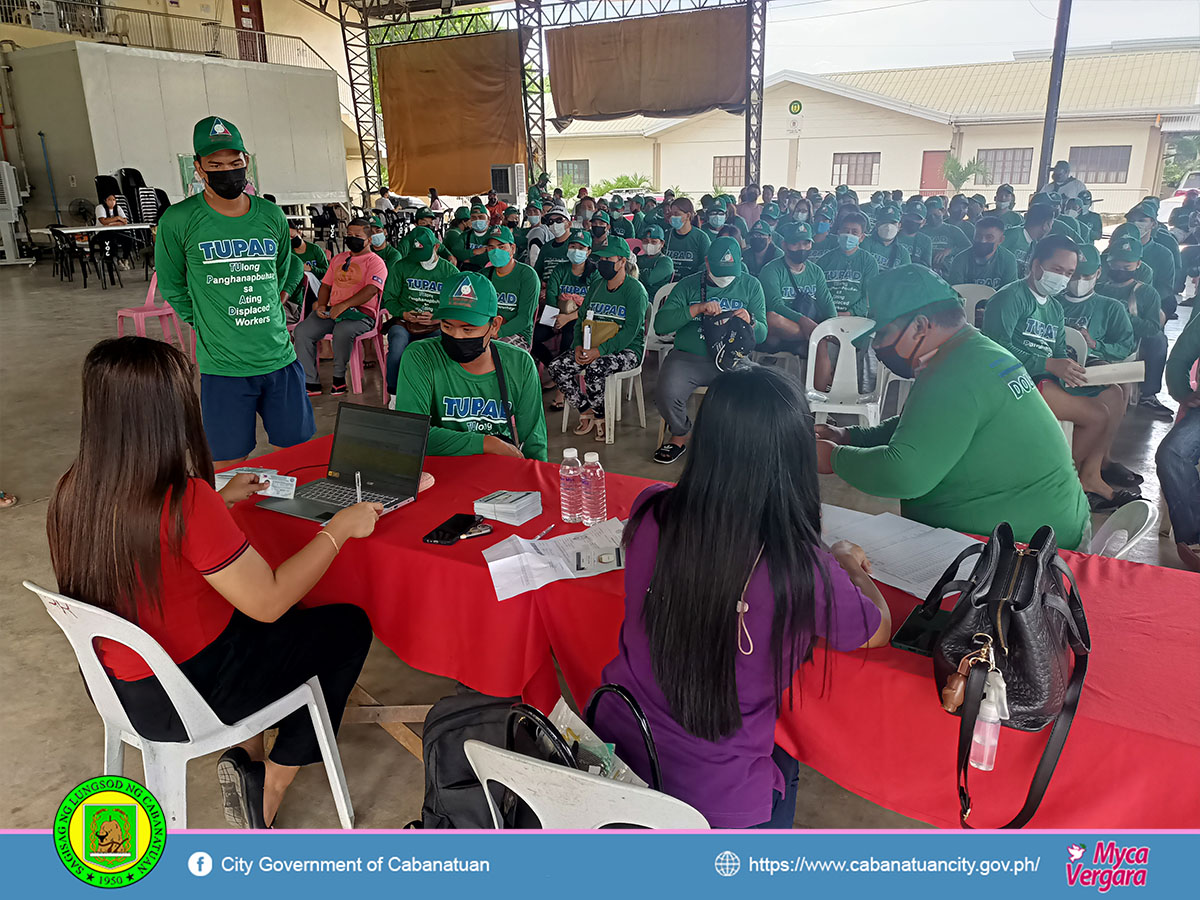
pixel 595 504
pixel 570 486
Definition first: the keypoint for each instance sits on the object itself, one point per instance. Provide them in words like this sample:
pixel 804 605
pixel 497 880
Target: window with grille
pixel 1100 165
pixel 573 170
pixel 729 171
pixel 855 169
pixel 1008 166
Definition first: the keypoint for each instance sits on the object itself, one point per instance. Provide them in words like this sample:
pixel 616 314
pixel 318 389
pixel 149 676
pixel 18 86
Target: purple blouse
pixel 729 781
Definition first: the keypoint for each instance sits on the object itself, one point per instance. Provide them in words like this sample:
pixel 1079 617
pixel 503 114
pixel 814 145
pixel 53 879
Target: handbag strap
pixel 522 713
pixel 508 410
pixel 639 716
pixel 948 583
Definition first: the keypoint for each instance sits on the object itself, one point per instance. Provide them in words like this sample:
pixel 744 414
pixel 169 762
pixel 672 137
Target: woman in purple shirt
pixel 726 588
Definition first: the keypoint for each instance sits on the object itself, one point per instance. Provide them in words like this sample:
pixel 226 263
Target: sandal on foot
pixel 668 453
pixel 7 500
pixel 557 406
pixel 1121 476
pixel 587 422
pixel 600 431
pixel 241 780
pixel 1100 503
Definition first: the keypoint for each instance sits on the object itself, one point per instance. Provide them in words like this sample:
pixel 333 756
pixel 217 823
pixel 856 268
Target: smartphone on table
pixel 462 525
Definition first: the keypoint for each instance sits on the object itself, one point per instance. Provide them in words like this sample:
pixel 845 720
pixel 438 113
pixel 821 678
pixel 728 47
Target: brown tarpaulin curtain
pixel 451 109
pixel 670 65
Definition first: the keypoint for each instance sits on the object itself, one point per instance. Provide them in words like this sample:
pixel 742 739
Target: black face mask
pixel 227 184
pixel 1120 276
pixel 983 249
pixel 759 243
pixel 894 361
pixel 297 241
pixel 607 269
pixel 910 224
pixel 463 350
pixel 795 257
pixel 598 231
pixel 355 244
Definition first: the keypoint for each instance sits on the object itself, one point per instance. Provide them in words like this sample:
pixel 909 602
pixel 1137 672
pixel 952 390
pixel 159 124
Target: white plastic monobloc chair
pixel 973 295
pixel 843 396
pixel 784 359
pixel 166 763
pixel 1124 528
pixel 1077 344
pixel 613 401
pixel 563 798
pixel 658 343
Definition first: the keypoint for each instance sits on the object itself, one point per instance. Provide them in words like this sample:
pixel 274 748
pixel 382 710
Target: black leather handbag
pixel 1019 611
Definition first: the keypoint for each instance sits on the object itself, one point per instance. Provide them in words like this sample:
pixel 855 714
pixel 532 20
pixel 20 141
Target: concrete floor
pixel 51 738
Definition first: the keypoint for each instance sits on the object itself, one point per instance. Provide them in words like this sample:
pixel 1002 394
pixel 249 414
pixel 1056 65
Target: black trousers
pixel 251 664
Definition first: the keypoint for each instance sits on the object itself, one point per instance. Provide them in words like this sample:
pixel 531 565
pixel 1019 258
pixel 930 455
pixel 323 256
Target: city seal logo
pixel 110 832
pixel 794 107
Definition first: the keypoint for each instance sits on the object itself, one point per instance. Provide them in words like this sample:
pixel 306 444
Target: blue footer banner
pixel 115 845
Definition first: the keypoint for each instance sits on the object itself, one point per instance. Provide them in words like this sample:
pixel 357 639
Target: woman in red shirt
pixel 136 528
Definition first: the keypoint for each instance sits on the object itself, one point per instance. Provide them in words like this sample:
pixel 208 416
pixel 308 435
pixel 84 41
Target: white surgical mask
pixel 558 229
pixel 576 256
pixel 801 215
pixel 535 220
pixel 1051 283
pixel 587 214
pixel 652 249
pixel 429 264
pixel 722 281
pixel 1081 288
pixel 888 231
pixel 1072 213
pixel 1144 227
pixel 1003 205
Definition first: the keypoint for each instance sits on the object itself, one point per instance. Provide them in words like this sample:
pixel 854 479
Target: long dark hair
pixel 140 440
pixel 750 483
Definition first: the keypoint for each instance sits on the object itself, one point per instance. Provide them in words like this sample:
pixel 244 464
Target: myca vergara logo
pixel 110 832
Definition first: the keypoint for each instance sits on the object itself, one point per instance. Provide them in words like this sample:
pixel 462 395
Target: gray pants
pixel 681 374
pixel 311 330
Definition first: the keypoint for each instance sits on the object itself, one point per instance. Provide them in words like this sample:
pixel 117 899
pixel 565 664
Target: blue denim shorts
pixel 230 404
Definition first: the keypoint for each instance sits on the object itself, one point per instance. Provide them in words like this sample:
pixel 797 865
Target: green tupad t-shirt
pixel 674 316
pixel 847 276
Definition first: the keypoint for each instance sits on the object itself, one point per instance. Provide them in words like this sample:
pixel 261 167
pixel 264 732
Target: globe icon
pixel 727 863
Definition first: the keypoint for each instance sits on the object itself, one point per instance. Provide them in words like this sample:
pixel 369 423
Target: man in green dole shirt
pixel 224 261
pixel 411 295
pixel 797 300
pixel 974 445
pixel 453 379
pixel 517 288
pixel 848 267
pixel 722 285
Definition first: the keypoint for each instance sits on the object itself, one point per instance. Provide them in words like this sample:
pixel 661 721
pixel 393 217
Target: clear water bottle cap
pixel 591 457
pixel 568 452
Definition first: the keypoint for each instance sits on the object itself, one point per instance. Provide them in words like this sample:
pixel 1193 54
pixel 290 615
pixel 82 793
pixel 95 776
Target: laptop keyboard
pixel 341 495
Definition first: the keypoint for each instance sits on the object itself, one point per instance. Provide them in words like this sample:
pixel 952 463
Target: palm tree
pixel 957 172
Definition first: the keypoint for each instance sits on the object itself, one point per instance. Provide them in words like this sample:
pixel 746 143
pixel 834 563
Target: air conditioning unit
pixel 509 183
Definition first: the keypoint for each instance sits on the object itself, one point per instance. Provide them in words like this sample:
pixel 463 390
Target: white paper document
pixel 519 565
pixel 549 314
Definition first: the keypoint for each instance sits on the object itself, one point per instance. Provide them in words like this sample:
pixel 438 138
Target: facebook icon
pixel 200 864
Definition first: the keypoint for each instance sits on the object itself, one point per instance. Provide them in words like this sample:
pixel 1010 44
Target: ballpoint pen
pixel 358 485
pixel 542 534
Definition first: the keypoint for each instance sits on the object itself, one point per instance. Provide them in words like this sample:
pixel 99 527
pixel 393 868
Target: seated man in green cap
pixel 1025 319
pixel 225 264
pixel 797 300
pixel 986 262
pixel 454 380
pixel 976 204
pixel 1118 280
pixel 475 245
pixel 1005 199
pixel 423 218
pixel 601 227
pixel 949 456
pixel 719 287
pixel 655 268
pixel 454 244
pixel 956 215
pixel 823 233
pixel 1103 321
pixel 1089 218
pixel 948 240
pixel 1163 235
pixel 762 248
pixel 884 242
pixel 314 262
pixel 1019 240
pixel 911 238
pixel 714 221
pixel 848 267
pixel 377 234
pixel 1154 254
pixel 411 295
pixel 614 296
pixel 517 288
pixel 619 225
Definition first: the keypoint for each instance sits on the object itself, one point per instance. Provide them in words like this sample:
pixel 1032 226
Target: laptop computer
pixel 384 447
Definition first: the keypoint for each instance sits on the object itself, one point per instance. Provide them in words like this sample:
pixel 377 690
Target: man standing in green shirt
pixel 453 380
pixel 412 295
pixel 1025 319
pixel 797 300
pixel 517 288
pixel 848 268
pixel 224 260
pixel 721 287
pixel 686 245
pixel 947 239
pixel 974 445
pixel 1019 240
pixel 986 262
pixel 884 242
pixel 911 238
pixel 615 297
pixel 1003 209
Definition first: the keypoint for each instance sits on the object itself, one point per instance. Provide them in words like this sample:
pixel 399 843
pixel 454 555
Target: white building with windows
pixel 892 129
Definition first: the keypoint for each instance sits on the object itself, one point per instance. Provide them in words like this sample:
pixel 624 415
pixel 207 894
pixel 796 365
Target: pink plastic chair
pixel 355 364
pixel 635 246
pixel 164 314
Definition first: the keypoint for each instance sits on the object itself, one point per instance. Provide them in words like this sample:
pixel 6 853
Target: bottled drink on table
pixel 595 505
pixel 570 486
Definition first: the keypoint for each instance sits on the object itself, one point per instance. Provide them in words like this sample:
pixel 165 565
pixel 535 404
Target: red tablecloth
pixel 1132 759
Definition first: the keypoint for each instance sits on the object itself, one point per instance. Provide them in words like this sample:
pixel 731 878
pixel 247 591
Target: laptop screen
pixel 385 446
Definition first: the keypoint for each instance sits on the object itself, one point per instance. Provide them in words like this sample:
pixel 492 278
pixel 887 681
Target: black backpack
pixel 453 796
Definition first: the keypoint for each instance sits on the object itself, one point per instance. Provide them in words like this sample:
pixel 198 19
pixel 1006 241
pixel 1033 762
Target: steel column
pixel 1057 60
pixel 533 97
pixel 756 40
pixel 356 35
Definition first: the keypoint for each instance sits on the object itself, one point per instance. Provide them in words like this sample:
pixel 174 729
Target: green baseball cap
pixel 469 298
pixel 795 232
pixel 615 246
pixel 616 202
pixel 1127 229
pixel 724 257
pixel 580 236
pixel 1085 196
pixel 917 208
pixel 1125 249
pixel 887 214
pixel 422 244
pixel 770 211
pixel 1151 199
pixel 1089 260
pixel 479 210
pixel 841 189
pixel 1006 187
pixel 212 133
pixel 462 214
pixel 534 204
pixel 826 211
pixel 1144 208
pixel 978 198
pixel 501 233
pixel 934 203
pixel 654 232
pixel 425 213
pixel 377 221
pixel 761 227
pixel 601 216
pixel 1054 196
pixel 895 293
